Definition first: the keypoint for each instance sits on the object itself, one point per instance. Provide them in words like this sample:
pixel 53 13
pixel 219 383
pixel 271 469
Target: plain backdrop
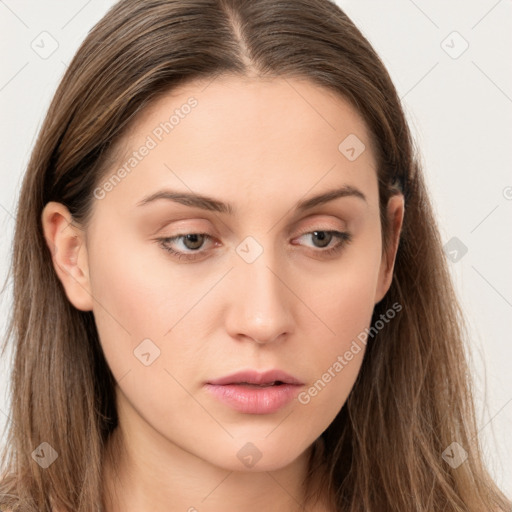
pixel 451 63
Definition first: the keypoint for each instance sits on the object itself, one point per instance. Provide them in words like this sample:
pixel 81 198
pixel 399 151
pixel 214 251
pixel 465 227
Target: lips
pixel 252 392
pixel 254 378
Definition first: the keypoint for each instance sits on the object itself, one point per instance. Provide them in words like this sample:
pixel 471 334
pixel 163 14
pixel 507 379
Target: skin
pixel 261 145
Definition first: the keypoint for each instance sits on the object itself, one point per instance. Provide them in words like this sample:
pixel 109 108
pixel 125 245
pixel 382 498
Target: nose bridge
pixel 260 305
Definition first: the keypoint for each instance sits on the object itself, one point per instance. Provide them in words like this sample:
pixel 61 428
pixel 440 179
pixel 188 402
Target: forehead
pixel 244 133
pixel 271 108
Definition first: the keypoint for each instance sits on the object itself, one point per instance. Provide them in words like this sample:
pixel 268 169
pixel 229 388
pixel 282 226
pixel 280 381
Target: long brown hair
pixel 412 398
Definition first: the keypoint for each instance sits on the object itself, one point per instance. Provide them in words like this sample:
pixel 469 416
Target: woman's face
pixel 256 288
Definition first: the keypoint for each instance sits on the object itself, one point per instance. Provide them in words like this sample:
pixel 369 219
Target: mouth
pixel 265 385
pixel 255 378
pixel 250 392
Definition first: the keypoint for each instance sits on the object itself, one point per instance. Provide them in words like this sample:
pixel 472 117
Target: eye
pixel 192 241
pixel 325 237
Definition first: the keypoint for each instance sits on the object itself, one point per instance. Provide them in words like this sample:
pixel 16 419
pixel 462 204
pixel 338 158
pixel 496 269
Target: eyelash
pixel 344 239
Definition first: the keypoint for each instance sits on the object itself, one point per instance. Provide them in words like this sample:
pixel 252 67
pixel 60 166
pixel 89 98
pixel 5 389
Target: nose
pixel 261 301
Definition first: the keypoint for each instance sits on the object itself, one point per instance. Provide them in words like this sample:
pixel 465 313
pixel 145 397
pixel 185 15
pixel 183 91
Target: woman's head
pixel 263 285
pixel 259 105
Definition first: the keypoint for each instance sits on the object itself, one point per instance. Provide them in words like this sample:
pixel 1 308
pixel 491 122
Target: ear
pixel 66 241
pixel 395 213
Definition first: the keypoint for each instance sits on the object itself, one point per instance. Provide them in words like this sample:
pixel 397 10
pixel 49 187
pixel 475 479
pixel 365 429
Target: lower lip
pixel 255 400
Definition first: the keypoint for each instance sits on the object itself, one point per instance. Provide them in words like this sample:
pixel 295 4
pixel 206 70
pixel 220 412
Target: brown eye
pixel 325 237
pixel 193 241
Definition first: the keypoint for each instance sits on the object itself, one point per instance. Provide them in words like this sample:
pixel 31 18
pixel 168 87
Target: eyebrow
pixel 211 204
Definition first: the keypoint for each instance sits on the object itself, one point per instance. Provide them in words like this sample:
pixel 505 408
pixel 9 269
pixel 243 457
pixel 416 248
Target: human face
pixel 261 290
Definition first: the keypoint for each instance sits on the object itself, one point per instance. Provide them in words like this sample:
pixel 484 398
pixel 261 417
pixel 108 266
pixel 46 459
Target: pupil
pixel 193 239
pixel 323 235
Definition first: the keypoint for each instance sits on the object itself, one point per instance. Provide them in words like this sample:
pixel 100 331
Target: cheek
pixel 134 285
pixel 145 304
pixel 138 314
pixel 336 359
pixel 343 297
pixel 345 304
pixel 129 306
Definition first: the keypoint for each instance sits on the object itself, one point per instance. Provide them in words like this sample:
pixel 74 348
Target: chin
pixel 258 455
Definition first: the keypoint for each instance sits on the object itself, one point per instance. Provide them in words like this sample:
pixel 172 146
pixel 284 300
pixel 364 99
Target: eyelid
pixel 319 226
pixel 306 230
pixel 344 238
pixel 163 241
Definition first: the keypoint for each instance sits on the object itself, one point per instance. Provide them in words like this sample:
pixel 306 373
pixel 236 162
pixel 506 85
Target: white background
pixel 460 110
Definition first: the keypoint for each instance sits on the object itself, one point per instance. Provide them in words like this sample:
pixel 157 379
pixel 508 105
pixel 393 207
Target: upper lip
pixel 255 377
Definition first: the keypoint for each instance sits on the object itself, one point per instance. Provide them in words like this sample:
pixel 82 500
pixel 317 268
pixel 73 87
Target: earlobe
pixel 395 212
pixel 69 254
